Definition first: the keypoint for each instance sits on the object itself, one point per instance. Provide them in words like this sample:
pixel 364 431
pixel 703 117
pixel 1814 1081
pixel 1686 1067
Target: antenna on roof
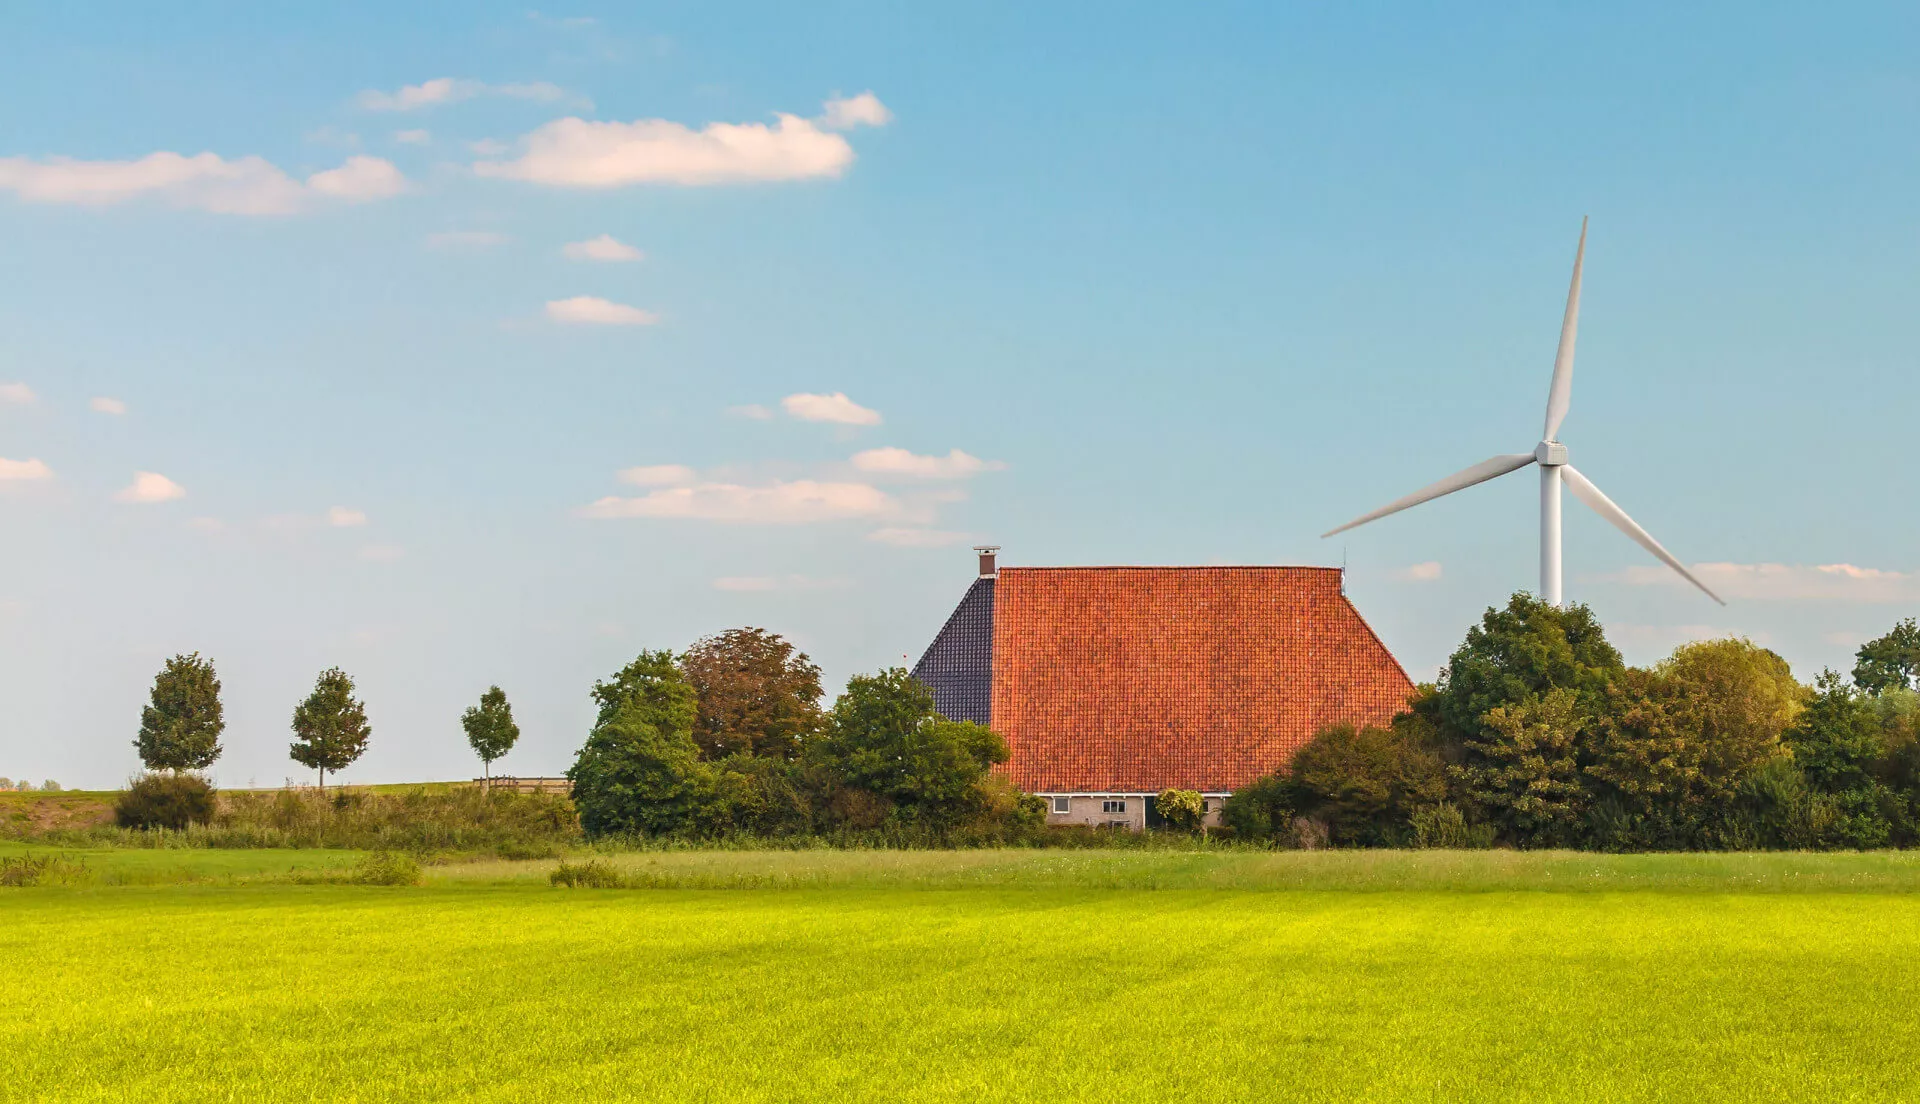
pixel 1343 571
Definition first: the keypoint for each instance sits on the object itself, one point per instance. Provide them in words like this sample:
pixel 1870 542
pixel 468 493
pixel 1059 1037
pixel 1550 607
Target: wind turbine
pixel 1551 455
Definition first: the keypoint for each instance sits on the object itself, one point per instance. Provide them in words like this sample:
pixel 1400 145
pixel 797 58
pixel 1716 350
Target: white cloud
pixel 360 179
pixel 855 111
pixel 381 553
pixel 779 503
pixel 1839 582
pixel 413 97
pixel 342 517
pixel 464 239
pixel 589 310
pixel 149 487
pixel 603 248
pixel 898 461
pixel 916 538
pixel 101 404
pixel 657 475
pixel 413 137
pixel 752 410
pixel 203 182
pixel 1419 573
pixel 538 91
pixel 23 470
pixel 18 394
pixel 578 153
pixel 829 408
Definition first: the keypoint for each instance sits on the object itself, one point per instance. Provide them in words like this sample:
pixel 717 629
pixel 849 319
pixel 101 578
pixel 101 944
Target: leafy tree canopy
pixel 1524 770
pixel 1891 662
pixel 1366 783
pixel 757 694
pixel 330 728
pixel 884 736
pixel 180 727
pixel 490 728
pixel 1519 653
pixel 638 773
pixel 655 683
pixel 1837 739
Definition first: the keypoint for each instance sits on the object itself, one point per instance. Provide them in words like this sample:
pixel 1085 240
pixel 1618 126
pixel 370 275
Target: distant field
pixel 978 976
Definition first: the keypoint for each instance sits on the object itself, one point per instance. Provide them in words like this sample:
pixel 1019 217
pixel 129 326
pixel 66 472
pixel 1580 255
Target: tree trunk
pixel 323 780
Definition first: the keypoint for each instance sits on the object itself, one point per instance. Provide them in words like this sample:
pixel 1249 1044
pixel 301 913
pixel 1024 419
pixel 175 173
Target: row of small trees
pixel 181 726
pixel 1538 735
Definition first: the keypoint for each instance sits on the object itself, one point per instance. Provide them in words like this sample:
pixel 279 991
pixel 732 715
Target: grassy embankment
pixel 978 975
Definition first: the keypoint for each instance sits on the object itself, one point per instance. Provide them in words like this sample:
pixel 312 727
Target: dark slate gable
pixel 958 664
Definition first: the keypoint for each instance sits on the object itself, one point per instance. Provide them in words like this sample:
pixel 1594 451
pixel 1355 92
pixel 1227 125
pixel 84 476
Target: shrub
pixel 1261 809
pixel 1444 826
pixel 1183 810
pixel 165 801
pixel 386 868
pixel 592 874
pixel 1365 783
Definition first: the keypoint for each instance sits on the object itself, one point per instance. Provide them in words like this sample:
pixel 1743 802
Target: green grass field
pixel 975 976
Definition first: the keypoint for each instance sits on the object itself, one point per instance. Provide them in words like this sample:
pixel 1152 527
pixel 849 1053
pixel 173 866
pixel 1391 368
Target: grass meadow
pixel 1078 976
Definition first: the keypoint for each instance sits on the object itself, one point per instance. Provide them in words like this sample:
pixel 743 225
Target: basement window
pixel 1113 806
pixel 1063 804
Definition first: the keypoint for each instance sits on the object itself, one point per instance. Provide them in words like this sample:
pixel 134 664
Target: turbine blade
pixel 1594 497
pixel 1460 480
pixel 1560 394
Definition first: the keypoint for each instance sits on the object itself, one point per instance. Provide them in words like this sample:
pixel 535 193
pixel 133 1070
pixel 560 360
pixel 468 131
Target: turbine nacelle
pixel 1551 456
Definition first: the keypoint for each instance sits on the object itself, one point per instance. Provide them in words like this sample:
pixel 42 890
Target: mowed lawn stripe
pixel 295 993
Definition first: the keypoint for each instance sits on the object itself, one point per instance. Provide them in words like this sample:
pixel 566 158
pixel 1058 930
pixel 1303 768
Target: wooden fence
pixel 526 785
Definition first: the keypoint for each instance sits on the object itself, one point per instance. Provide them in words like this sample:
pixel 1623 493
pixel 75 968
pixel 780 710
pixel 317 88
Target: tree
pixel 1261 809
pixel 1838 745
pixel 640 771
pixel 490 728
pixel 1892 661
pixel 884 736
pixel 1183 810
pixel 181 725
pixel 1366 783
pixel 1739 697
pixel 330 728
pixel 757 694
pixel 1521 652
pixel 1525 770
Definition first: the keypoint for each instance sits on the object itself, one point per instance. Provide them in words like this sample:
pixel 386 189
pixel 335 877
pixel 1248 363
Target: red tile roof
pixel 1136 679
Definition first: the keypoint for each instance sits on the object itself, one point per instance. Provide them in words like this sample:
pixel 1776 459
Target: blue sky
pixel 1181 286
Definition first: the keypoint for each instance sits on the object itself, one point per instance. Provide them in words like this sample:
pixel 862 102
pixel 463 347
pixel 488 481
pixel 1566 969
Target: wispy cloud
pixel 343 518
pixel 450 90
pixel 579 153
pixel 23 471
pixel 657 475
pixel 603 248
pixel 753 411
pixel 1665 638
pixel 1839 582
pixel 797 502
pixel 413 137
pixel 101 404
pixel 593 311
pixel 898 461
pixel 1419 573
pixel 16 394
pixel 149 487
pixel 855 111
pixel 203 182
pixel 829 408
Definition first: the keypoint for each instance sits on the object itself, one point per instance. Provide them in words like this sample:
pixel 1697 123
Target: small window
pixel 1113 806
pixel 1206 806
pixel 1063 804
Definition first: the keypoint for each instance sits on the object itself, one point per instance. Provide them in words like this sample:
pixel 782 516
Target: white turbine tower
pixel 1551 455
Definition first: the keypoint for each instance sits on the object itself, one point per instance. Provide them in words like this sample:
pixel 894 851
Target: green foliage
pixel 490 728
pixel 165 801
pixel 386 868
pixel 1183 810
pixel 330 728
pixel 1891 662
pixel 23 871
pixel 181 725
pixel 592 874
pixel 1364 784
pixel 1262 809
pixel 1523 769
pixel 1519 654
pixel 757 695
pixel 1445 827
pixel 884 737
pixel 640 771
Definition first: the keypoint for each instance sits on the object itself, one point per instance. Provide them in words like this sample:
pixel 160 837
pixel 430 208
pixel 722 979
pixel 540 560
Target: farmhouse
pixel 1111 684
